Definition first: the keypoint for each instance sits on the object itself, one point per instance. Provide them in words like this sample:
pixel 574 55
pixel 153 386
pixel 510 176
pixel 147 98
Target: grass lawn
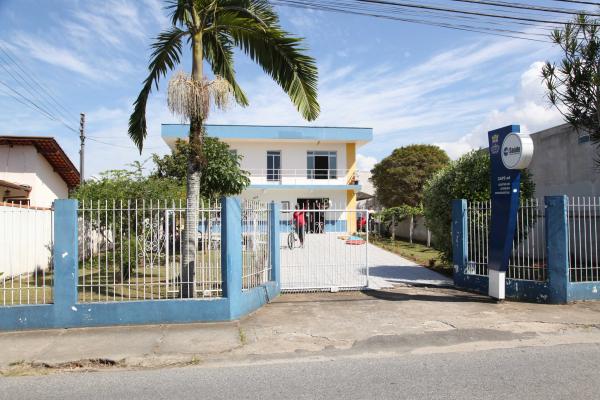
pixel 421 254
pixel 102 280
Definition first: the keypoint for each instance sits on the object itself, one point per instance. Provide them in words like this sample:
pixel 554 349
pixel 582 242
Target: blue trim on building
pixel 66 312
pixel 245 132
pixel 331 226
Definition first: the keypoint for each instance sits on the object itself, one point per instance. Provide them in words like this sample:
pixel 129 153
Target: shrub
pixel 398 179
pixel 466 178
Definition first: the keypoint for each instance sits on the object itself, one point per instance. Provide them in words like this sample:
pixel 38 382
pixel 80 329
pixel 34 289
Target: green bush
pixel 398 178
pixel 466 178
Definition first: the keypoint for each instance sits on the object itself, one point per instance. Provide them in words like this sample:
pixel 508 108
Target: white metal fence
pixel 583 213
pixel 26 237
pixel 331 255
pixel 256 265
pixel 132 250
pixel 528 257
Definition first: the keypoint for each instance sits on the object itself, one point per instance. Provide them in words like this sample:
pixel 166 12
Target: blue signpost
pixel 510 152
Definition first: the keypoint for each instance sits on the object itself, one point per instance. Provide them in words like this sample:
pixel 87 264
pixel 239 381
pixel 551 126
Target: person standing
pixel 299 222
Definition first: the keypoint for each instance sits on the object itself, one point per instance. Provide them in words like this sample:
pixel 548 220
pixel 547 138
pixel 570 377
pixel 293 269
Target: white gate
pixel 333 254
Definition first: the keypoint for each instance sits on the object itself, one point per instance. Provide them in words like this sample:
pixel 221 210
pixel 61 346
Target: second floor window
pixel 273 165
pixel 321 165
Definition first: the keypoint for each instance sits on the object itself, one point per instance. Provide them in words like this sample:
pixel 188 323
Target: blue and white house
pixel 312 166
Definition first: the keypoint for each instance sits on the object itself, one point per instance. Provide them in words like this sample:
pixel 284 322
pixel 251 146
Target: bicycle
pixel 292 237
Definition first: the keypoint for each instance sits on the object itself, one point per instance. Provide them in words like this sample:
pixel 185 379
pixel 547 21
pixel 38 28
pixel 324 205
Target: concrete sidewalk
pixel 402 320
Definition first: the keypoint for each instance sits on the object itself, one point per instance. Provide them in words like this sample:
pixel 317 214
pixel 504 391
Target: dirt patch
pixel 22 368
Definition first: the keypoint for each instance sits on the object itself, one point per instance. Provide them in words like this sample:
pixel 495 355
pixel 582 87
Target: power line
pixel 527 7
pixel 303 4
pixel 21 66
pixel 451 10
pixel 387 9
pixel 45 108
pixel 31 103
pixel 477 20
pixel 31 91
pixel 93 138
pixel 592 3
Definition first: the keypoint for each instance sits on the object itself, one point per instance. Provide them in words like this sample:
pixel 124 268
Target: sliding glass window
pixel 321 165
pixel 273 165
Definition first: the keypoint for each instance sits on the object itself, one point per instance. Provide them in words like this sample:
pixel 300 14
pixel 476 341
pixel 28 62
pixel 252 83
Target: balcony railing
pixel 303 176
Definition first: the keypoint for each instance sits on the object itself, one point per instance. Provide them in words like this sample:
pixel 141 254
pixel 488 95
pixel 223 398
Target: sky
pixel 410 83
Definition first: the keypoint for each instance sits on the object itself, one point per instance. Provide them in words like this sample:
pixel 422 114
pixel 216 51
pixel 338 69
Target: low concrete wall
pixel 557 288
pixel 67 312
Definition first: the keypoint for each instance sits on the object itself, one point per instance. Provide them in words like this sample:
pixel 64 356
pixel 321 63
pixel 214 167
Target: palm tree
pixel 213 29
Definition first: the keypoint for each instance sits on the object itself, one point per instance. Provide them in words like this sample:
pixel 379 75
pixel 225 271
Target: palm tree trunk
pixel 190 234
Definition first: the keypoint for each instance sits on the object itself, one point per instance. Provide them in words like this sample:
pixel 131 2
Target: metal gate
pixel 333 255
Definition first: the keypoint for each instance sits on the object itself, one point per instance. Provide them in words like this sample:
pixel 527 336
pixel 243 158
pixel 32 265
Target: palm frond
pixel 180 11
pixel 280 55
pixel 166 55
pixel 218 52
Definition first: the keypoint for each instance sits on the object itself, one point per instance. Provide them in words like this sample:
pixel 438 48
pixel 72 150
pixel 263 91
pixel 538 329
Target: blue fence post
pixel 557 247
pixel 459 240
pixel 231 248
pixel 65 255
pixel 274 244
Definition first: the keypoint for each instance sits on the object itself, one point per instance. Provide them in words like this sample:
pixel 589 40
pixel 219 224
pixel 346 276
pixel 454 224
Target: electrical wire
pixel 43 89
pixel 303 4
pixel 93 138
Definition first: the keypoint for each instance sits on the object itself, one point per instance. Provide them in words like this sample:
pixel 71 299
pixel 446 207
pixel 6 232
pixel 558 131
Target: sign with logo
pixel 517 151
pixel 510 152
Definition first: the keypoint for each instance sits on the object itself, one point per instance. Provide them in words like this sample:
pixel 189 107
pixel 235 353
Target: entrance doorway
pixel 315 215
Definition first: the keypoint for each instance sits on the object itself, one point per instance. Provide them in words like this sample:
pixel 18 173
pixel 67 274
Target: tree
pixel 573 86
pixel 466 178
pixel 213 28
pixel 399 178
pixel 221 173
pixel 121 184
pixel 116 207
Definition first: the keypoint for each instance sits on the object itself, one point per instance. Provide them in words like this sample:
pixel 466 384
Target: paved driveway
pixel 387 268
pixel 328 261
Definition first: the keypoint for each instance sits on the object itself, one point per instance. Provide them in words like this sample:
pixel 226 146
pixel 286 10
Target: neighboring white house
pixel 311 166
pixel 34 171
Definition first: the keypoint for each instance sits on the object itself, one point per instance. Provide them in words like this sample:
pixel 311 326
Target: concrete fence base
pixel 557 289
pixel 67 312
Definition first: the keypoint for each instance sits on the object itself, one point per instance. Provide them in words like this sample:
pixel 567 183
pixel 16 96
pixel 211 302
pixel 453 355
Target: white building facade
pixel 34 171
pixel 314 167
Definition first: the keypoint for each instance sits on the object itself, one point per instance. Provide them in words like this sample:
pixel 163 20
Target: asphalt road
pixel 560 372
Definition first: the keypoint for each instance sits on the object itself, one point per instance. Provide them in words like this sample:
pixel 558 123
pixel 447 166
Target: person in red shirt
pixel 299 222
pixel 362 223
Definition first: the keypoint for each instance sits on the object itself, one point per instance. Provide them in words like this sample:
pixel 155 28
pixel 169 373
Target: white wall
pixel 293 154
pixel 25 166
pixel 25 240
pixel 337 198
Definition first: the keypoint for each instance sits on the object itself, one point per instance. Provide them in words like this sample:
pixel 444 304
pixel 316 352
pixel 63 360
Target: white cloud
pixel 398 103
pixel 60 57
pixel 365 163
pixel 529 108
